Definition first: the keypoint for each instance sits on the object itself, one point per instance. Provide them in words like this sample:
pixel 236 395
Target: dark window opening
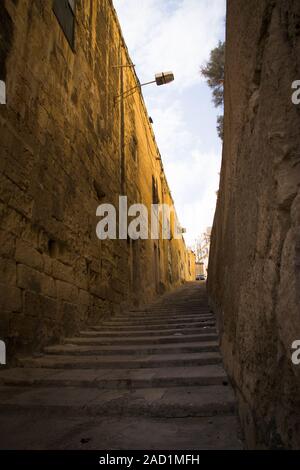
pixel 64 11
pixel 134 149
pixel 52 248
pixel 155 198
pixel 6 38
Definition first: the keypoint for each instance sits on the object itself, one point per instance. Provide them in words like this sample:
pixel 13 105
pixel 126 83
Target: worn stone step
pixel 180 303
pixel 182 306
pixel 172 307
pixel 169 322
pixel 145 340
pixel 121 361
pixel 141 350
pixel 103 433
pixel 156 402
pixel 116 378
pixel 120 373
pixel 165 318
pixel 145 333
pixel 165 312
pixel 162 326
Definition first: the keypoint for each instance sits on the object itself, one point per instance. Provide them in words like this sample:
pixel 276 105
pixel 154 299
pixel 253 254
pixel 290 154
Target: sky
pixel 178 35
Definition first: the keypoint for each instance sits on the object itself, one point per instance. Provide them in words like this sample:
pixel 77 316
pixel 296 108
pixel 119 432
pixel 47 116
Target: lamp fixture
pixel 162 78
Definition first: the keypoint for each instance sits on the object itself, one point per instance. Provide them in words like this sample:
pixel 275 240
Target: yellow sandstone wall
pixel 67 147
pixel 191 266
pixel 254 268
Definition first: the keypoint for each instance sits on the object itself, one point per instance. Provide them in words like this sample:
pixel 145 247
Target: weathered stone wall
pixel 191 266
pixel 67 146
pixel 254 271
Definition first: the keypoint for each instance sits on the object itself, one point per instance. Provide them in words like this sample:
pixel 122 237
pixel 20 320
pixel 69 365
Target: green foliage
pixel 220 127
pixel 214 72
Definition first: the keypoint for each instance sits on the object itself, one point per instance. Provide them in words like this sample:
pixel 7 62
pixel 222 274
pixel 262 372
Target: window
pixel 134 148
pixel 155 198
pixel 64 11
pixel 2 92
pixel 6 39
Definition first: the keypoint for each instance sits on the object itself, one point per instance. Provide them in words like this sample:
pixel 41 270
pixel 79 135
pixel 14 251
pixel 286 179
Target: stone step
pixel 122 361
pixel 165 314
pixel 166 308
pixel 145 333
pixel 103 433
pixel 185 302
pixel 152 377
pixel 116 378
pixel 178 402
pixel 141 350
pixel 145 340
pixel 183 306
pixel 157 321
pixel 168 311
pixel 162 326
pixel 160 318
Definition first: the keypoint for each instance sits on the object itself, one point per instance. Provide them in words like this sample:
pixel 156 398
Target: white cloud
pixel 170 129
pixel 171 35
pixel 196 209
pixel 193 174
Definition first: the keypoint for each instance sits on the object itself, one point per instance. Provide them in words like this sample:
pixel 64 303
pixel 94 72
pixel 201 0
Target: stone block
pixel 8 271
pixel 83 297
pixel 7 244
pixel 67 292
pixel 47 260
pixel 10 298
pixel 40 306
pixel 4 324
pixel 69 317
pixel 30 279
pixel 99 290
pixel 62 272
pixel 27 255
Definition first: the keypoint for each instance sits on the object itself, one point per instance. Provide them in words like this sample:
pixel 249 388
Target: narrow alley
pixel 149 228
pixel 145 379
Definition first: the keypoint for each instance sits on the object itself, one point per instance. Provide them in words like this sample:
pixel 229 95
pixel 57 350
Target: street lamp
pixel 162 78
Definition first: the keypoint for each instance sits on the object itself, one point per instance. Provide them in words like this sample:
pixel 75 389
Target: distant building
pixel 202 251
pixel 199 269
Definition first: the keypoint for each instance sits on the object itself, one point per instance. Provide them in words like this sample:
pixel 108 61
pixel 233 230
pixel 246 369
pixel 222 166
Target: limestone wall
pixel 191 266
pixel 67 144
pixel 254 271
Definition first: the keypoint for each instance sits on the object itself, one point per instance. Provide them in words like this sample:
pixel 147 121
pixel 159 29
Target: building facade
pixel 202 251
pixel 191 265
pixel 70 141
pixel 200 269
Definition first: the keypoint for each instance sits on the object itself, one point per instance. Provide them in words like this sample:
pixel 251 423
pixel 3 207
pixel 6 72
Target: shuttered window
pixel 64 11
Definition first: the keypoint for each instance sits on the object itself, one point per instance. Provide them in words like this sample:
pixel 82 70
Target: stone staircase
pixel 148 379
